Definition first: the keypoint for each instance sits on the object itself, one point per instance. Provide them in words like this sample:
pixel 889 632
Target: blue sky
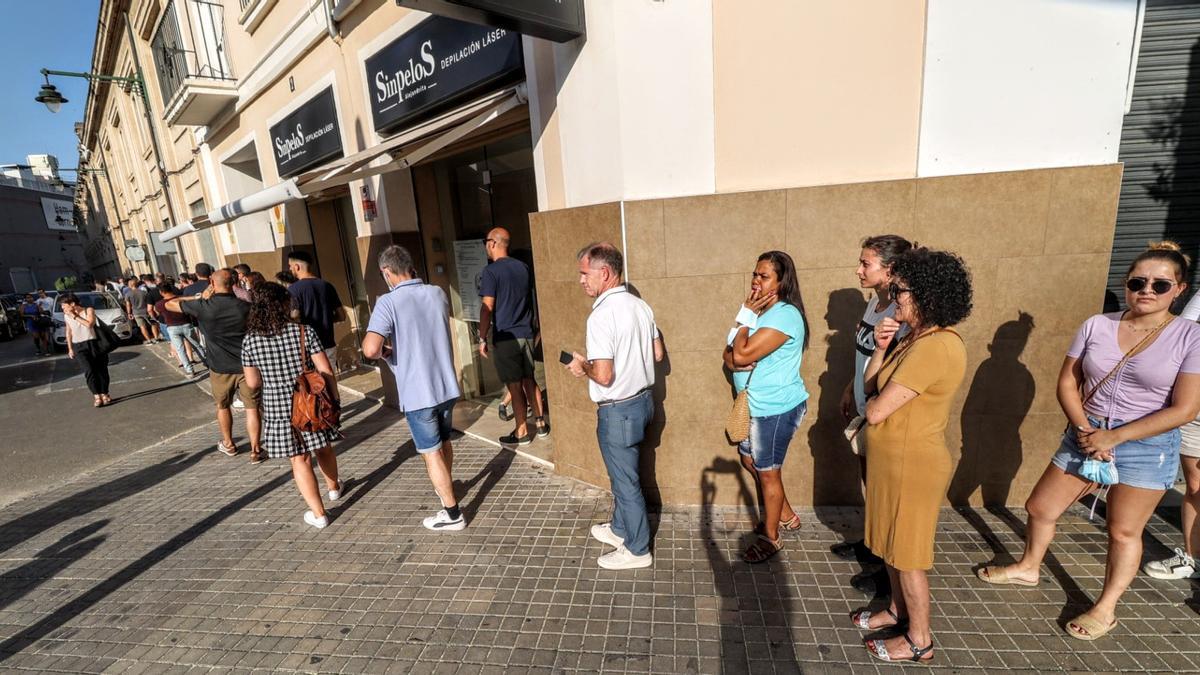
pixel 36 34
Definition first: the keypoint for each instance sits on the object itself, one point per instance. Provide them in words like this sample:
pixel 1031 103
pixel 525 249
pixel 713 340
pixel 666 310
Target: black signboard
pixel 557 20
pixel 436 65
pixel 308 136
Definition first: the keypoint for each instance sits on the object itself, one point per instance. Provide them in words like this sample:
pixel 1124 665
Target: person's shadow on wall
pixel 836 478
pixel 1000 397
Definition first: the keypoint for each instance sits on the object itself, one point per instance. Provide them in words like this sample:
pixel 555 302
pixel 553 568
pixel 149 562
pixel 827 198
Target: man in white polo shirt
pixel 622 346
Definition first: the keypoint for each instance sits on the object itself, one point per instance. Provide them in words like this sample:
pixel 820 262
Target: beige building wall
pixel 690 258
pixel 117 136
pixel 815 93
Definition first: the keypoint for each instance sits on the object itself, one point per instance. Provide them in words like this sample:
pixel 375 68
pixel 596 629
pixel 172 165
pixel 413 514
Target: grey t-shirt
pixel 137 301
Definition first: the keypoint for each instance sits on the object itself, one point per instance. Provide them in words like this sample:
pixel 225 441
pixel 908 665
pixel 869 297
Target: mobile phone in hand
pixel 566 358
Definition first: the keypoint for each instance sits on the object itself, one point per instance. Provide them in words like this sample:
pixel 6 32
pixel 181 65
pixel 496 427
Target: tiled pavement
pixel 178 559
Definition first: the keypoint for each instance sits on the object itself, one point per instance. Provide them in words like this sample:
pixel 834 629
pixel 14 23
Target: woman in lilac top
pixel 1133 419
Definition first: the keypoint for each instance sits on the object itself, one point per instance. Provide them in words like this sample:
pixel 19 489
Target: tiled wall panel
pixel 1036 242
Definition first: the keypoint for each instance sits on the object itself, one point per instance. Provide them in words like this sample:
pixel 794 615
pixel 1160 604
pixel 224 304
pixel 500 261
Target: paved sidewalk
pixel 178 559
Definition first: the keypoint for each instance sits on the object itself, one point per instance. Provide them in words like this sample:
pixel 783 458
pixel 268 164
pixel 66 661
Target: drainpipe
pixel 336 11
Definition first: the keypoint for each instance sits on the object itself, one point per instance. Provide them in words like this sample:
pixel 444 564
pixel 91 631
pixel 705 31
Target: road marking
pixel 34 361
pixel 49 389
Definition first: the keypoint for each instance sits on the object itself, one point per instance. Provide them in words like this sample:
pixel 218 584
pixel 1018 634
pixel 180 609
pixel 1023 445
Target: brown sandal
pixel 762 550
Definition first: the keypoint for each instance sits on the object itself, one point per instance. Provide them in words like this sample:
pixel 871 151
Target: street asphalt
pixel 51 431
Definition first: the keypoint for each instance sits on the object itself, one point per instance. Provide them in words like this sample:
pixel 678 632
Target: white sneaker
pixel 238 405
pixel 622 559
pixel 442 521
pixel 604 534
pixel 1178 566
pixel 316 522
pixel 336 493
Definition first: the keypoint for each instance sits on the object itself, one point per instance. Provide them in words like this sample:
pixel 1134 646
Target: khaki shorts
pixel 514 360
pixel 224 385
pixel 1189 433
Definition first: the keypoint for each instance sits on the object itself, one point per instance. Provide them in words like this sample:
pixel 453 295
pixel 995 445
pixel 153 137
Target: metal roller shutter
pixel 1160 140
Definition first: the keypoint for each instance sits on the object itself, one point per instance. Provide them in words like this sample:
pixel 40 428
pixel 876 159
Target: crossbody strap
pixel 303 352
pixel 1133 351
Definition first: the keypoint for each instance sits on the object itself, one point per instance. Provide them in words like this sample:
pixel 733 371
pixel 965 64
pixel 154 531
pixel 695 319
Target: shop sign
pixel 135 253
pixel 59 214
pixel 308 136
pixel 439 63
pixel 557 20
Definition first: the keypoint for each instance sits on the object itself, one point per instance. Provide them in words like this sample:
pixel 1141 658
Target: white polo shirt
pixel 621 327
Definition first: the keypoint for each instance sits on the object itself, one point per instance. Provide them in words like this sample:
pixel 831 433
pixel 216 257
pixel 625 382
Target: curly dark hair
pixel 940 284
pixel 270 309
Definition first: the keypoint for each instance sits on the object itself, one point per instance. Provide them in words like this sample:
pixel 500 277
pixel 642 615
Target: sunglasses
pixel 895 290
pixel 1158 286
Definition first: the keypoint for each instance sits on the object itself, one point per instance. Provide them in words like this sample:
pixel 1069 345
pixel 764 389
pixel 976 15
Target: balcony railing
pixel 246 4
pixel 190 43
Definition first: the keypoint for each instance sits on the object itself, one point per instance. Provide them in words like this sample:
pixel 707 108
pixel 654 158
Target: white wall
pixel 634 103
pixel 1023 84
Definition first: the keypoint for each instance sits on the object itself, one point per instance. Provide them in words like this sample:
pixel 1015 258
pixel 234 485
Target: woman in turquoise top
pixel 764 355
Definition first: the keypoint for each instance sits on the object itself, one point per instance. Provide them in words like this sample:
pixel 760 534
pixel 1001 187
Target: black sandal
pixel 762 550
pixel 878 650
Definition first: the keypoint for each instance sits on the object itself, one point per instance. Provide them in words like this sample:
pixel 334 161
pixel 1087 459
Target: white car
pixel 108 309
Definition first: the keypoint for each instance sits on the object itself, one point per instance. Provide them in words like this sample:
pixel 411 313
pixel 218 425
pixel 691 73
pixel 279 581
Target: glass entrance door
pixel 489 186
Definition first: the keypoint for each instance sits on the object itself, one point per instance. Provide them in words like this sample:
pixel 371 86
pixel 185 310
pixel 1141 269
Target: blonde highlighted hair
pixel 1167 251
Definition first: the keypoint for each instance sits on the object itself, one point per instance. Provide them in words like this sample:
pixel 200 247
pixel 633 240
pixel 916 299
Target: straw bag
pixel 737 425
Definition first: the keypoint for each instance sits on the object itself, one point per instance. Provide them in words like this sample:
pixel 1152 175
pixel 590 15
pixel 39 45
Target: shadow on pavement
pixel 31 524
pixel 768 600
pixel 17 582
pixel 87 500
pixel 156 390
pixel 9 383
pixel 490 475
pixel 1076 601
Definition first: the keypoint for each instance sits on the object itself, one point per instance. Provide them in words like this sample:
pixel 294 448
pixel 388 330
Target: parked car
pixel 108 309
pixel 12 311
pixel 9 322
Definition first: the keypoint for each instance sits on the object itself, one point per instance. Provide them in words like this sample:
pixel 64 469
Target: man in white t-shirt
pixel 623 345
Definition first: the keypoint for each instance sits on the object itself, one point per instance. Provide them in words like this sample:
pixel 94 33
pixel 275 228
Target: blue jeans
pixel 620 428
pixel 177 335
pixel 430 427
pixel 770 437
pixel 1150 464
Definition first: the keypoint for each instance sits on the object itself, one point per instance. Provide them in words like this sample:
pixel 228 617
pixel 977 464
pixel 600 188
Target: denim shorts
pixel 770 437
pixel 1151 463
pixel 431 426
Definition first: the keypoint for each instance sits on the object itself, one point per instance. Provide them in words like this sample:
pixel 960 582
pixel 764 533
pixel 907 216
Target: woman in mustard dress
pixel 912 385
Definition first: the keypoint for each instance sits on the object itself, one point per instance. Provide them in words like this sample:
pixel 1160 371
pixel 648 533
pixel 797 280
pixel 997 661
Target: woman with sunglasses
pixel 1129 381
pixel 910 387
pixel 764 354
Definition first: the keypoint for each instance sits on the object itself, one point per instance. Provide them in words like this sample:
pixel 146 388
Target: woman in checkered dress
pixel 271 359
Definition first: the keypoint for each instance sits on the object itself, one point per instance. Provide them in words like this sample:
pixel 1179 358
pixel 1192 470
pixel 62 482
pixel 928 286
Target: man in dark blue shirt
pixel 315 302
pixel 203 272
pixel 506 312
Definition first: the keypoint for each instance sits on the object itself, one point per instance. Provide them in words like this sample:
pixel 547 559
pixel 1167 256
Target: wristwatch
pixel 482 340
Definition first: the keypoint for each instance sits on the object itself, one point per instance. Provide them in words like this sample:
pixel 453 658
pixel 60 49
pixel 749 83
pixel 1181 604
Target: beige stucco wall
pixel 814 93
pixel 690 259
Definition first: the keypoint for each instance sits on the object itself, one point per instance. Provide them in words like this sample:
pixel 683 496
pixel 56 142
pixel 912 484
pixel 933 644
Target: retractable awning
pixel 400 151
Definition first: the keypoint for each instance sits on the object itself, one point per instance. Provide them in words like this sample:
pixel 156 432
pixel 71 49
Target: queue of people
pixel 1128 383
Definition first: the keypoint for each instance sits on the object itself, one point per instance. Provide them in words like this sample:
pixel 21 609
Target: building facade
pixel 38 226
pixel 694 134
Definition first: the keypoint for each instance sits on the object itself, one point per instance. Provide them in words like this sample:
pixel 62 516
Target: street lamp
pixel 50 96
pixel 54 100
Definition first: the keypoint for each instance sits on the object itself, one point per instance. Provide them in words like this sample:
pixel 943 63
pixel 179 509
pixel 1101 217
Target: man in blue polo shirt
pixel 410 329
